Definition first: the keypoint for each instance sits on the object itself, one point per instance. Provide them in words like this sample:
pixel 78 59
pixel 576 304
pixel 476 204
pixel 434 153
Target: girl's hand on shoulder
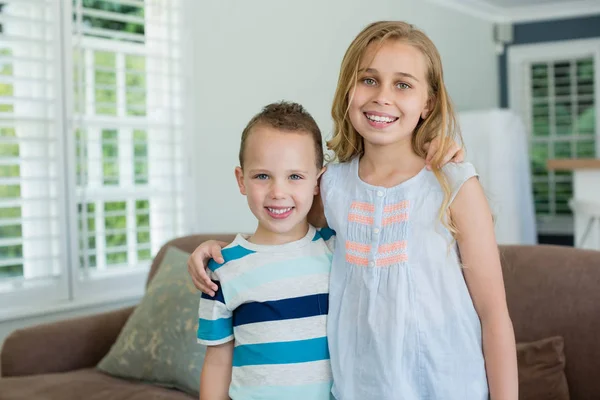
pixel 198 263
pixel 455 153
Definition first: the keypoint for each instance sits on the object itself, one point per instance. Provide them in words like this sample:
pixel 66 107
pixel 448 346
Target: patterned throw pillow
pixel 158 343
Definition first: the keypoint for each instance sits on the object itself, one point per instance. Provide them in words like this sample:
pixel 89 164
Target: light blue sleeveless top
pixel 401 324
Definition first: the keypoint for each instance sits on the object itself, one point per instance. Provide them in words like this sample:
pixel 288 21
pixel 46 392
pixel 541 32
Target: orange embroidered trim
pixel 360 219
pixel 358 247
pixel 403 205
pixel 356 260
pixel 367 207
pixel 384 262
pixel 394 219
pixel 391 247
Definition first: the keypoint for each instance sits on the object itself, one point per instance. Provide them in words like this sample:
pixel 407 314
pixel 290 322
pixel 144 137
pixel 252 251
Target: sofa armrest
pixel 61 346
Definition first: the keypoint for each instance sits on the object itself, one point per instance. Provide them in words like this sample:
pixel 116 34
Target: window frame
pixel 120 285
pixel 519 60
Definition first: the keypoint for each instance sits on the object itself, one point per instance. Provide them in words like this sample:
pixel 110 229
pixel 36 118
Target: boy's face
pixel 279 178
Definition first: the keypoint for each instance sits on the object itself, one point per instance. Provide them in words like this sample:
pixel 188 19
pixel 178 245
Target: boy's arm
pixel 216 372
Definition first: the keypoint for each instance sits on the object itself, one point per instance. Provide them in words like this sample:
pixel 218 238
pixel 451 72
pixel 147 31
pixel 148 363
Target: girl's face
pixel 391 93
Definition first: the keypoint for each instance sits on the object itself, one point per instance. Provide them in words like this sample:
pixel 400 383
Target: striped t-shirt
pixel 273 301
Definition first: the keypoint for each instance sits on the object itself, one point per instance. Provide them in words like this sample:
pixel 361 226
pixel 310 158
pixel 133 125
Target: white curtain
pixel 496 143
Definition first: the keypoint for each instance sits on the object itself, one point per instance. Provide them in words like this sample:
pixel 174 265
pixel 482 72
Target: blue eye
pixel 295 177
pixel 369 81
pixel 261 176
pixel 402 85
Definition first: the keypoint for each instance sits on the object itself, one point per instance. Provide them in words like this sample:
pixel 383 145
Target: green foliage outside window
pixel 105 96
pixel 563 125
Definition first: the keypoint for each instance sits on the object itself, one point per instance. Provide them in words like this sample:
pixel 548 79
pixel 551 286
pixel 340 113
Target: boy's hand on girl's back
pixel 198 263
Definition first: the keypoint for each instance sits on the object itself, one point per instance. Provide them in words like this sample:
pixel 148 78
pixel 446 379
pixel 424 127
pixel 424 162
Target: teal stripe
pixel 230 254
pixel 214 329
pixel 281 270
pixel 315 391
pixel 293 352
pixel 323 233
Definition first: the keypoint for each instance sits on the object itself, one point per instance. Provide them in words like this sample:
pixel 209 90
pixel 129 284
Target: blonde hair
pixel 347 143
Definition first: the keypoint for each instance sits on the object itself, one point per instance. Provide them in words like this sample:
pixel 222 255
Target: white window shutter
pixel 127 132
pixel 33 255
pixel 91 152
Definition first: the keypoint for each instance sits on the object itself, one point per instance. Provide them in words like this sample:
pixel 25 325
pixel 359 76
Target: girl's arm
pixel 316 215
pixel 215 377
pixel 483 275
pixel 198 262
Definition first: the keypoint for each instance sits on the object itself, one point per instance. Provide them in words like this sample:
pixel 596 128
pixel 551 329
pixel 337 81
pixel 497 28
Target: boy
pixel 265 327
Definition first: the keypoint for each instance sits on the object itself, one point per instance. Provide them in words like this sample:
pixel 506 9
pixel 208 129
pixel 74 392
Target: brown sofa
pixel 551 291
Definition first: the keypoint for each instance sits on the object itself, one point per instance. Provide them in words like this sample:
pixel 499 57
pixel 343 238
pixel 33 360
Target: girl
pixel 411 315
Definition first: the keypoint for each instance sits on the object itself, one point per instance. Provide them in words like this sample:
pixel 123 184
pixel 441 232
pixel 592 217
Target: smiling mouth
pixel 279 211
pixel 380 119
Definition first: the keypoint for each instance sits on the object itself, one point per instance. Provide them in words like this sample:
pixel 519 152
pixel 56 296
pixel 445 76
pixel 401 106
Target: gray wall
pixel 545 31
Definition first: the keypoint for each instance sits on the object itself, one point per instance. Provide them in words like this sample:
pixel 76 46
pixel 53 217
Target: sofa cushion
pixel 542 370
pixel 89 384
pixel 158 343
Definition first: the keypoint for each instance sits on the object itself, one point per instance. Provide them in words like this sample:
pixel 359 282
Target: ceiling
pixel 517 3
pixel 523 10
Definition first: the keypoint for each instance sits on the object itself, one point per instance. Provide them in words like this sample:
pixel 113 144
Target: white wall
pixel 247 54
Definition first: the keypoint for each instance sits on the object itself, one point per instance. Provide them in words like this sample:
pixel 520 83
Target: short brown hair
pixel 286 116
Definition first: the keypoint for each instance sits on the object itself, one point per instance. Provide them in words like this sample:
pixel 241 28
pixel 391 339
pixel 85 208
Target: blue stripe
pixel 324 233
pixel 281 352
pixel 218 294
pixel 313 391
pixel 278 271
pixel 214 329
pixel 230 254
pixel 277 310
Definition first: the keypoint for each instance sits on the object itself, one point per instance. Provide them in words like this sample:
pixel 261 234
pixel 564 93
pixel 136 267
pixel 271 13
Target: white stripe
pixel 281 331
pixel 212 310
pixel 281 374
pixel 281 289
pixel 214 342
pixel 241 266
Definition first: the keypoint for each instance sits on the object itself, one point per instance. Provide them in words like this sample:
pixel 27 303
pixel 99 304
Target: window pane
pixel 539 80
pixel 563 117
pixel 115 220
pixel 110 157
pixel 140 157
pixel 79 76
pixel 564 191
pixel 87 234
pixel 105 83
pixel 135 79
pixel 541 119
pixel 562 150
pixel 586 149
pixel 562 79
pixel 142 208
pixel 563 125
pixel 81 157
